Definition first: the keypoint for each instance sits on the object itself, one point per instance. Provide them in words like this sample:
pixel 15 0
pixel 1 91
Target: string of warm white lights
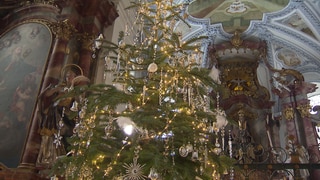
pixel 166 121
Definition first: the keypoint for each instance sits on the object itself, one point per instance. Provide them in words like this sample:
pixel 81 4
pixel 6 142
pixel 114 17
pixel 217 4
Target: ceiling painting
pixel 234 14
pixel 298 23
pixel 288 57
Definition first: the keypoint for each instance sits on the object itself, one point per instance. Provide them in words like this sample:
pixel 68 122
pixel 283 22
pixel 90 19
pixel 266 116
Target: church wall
pixel 48 35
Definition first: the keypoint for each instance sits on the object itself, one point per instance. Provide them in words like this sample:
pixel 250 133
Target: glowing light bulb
pixel 128 129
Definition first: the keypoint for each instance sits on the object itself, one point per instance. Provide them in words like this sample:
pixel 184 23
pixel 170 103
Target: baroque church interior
pixel 265 53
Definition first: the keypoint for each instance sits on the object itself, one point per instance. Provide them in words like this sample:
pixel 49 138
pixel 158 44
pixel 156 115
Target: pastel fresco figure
pixel 13 70
pixel 23 95
pixel 13 115
pixel 24 51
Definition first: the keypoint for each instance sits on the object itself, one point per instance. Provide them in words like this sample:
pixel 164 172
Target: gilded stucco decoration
pixel 86 41
pixel 304 110
pixel 242 112
pixel 62 29
pixel 288 113
pixel 297 22
pixel 236 40
pixel 238 61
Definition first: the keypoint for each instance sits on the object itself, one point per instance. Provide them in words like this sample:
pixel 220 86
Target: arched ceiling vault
pixel 291 29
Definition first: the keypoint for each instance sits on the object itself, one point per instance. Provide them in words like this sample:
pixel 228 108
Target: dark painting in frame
pixel 24 51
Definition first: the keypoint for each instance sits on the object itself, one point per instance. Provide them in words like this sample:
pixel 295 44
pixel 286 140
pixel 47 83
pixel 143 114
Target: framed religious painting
pixel 24 50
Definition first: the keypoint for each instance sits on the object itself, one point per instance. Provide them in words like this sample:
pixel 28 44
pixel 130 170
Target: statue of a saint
pixel 55 124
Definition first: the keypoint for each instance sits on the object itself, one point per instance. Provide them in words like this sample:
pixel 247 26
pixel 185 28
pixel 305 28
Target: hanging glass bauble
pixel 153 175
pixel 122 44
pixel 61 124
pixel 81 131
pixel 85 172
pixel 195 155
pixel 76 128
pixel 88 143
pixel 217 150
pixel 189 147
pixel 90 133
pixel 169 99
pixel 183 151
pixel 108 129
pixel 74 106
pixel 139 60
pixel 130 89
pixel 82 113
pixel 173 153
pixel 92 125
pixel 221 118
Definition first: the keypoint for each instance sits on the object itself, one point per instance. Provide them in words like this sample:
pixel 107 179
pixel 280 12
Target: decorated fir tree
pixel 160 123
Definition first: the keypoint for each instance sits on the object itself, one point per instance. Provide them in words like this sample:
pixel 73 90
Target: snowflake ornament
pixel 134 170
pixel 57 139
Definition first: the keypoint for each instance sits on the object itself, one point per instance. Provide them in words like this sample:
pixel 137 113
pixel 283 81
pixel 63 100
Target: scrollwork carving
pixel 62 29
pixel 86 41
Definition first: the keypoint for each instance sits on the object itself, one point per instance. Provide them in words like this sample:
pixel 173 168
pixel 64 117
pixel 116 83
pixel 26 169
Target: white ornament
pixel 153 67
pixel 221 119
pixel 183 151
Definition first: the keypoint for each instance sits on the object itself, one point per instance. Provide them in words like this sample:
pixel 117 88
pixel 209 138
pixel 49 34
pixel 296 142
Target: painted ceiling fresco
pixel 234 14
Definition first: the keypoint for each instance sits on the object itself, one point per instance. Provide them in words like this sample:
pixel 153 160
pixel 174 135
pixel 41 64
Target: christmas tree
pixel 157 121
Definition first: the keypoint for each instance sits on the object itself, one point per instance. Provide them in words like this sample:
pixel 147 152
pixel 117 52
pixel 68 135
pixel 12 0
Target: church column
pixel 310 135
pixel 299 124
pixel 302 104
pixel 86 61
pixel 295 109
pixel 309 129
pixel 62 32
pixel 99 15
